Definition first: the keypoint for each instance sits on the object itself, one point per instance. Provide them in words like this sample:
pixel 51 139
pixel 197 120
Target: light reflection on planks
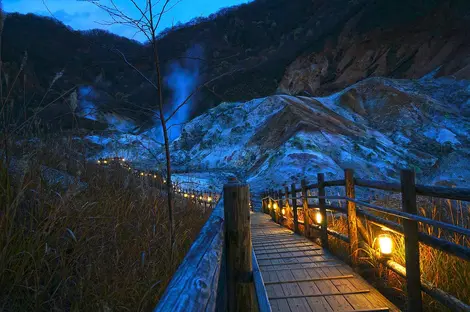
pixel 300 276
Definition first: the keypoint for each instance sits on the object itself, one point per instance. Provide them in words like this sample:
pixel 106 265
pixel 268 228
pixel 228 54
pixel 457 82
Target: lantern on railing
pixel 209 199
pixel 283 211
pixel 142 174
pixel 105 161
pixel 186 195
pixel 275 206
pixel 318 217
pixel 99 162
pixel 385 244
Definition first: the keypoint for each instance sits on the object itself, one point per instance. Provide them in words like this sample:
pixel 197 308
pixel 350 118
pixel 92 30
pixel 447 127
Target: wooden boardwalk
pixel 300 276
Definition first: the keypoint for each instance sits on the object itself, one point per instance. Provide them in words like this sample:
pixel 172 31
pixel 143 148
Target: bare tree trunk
pixel 165 133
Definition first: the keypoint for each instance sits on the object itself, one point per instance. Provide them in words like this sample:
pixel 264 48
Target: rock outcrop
pixel 435 41
pixel 377 126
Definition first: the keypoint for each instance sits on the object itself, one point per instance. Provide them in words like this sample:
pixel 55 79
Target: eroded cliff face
pixel 377 126
pixel 437 42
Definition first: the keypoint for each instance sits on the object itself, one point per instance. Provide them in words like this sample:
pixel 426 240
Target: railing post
pixel 413 279
pixel 303 184
pixel 238 246
pixel 294 208
pixel 271 210
pixel 263 201
pixel 286 202
pixel 352 218
pixel 278 210
pixel 286 194
pixel 322 204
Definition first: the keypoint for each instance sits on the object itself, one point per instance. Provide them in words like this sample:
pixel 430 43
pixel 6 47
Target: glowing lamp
pixel 154 176
pixel 283 211
pixel 269 206
pixel 318 217
pixel 275 206
pixel 142 174
pixel 209 199
pixel 186 195
pixel 99 162
pixel 385 244
pixel 105 161
pixel 123 159
pixel 200 197
pixel 192 196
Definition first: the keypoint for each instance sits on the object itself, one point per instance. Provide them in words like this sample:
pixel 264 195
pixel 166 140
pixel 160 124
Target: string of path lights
pixel 208 197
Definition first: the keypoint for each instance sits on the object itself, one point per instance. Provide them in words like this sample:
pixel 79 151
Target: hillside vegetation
pixel 334 43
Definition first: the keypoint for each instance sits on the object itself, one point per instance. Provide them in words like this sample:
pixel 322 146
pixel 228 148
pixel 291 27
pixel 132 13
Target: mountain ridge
pixel 261 44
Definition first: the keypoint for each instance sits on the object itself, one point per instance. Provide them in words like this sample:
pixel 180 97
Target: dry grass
pixel 104 249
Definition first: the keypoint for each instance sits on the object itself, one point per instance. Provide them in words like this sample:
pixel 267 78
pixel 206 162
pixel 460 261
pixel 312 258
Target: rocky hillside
pixel 387 39
pixel 326 45
pixel 377 126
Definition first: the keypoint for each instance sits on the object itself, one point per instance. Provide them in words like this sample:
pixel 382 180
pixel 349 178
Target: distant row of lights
pixel 122 161
pixel 194 196
pixel 383 242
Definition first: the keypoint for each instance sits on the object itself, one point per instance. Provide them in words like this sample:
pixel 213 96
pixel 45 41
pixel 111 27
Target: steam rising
pixel 87 108
pixel 182 81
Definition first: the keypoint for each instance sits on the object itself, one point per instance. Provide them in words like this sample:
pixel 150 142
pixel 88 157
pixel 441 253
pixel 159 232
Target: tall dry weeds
pixel 104 249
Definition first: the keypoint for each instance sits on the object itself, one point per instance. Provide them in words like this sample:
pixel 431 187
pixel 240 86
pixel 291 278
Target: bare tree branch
pixel 138 71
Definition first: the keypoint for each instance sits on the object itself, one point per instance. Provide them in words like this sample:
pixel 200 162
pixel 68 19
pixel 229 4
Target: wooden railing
pixel 203 198
pixel 220 273
pixel 356 210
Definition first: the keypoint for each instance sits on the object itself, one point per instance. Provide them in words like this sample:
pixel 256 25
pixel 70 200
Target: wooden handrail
pixel 216 274
pixel 379 185
pixel 438 243
pixel 409 217
pixel 194 285
pixel 260 289
pixel 462 194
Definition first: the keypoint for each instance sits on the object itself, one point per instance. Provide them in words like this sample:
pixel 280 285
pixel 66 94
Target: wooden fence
pixel 276 202
pixel 220 272
pixel 203 198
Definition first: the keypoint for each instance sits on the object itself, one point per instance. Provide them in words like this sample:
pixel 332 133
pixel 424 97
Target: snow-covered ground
pixel 377 127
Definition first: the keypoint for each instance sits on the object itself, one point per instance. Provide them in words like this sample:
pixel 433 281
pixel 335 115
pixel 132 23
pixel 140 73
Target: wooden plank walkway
pixel 300 276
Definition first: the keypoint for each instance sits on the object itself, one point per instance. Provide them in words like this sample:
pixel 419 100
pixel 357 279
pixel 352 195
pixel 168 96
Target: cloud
pixel 70 18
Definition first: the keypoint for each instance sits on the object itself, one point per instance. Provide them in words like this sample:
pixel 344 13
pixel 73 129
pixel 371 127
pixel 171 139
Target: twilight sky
pixel 82 15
